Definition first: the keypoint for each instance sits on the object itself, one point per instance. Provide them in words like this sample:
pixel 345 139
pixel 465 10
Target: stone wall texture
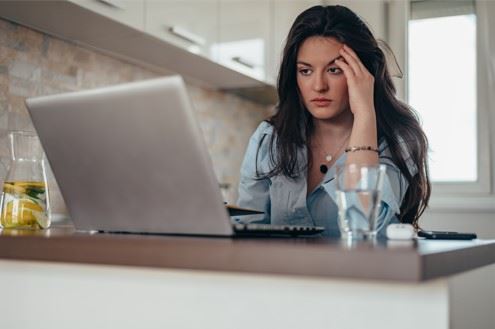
pixel 33 64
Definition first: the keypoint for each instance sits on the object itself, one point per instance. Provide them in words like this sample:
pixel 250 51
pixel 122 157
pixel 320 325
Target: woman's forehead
pixel 319 49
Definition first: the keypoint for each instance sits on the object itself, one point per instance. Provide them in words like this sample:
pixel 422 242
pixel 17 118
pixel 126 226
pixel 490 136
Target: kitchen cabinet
pixel 244 36
pixel 129 12
pixel 140 32
pixel 284 13
pixel 188 24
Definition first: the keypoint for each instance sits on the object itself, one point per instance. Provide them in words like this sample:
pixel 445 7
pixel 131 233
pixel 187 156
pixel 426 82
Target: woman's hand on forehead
pixel 360 82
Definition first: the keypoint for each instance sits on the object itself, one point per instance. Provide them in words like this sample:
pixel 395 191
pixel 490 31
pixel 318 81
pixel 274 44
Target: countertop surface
pixel 413 261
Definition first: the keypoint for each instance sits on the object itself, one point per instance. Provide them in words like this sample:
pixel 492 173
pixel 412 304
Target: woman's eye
pixel 334 70
pixel 305 71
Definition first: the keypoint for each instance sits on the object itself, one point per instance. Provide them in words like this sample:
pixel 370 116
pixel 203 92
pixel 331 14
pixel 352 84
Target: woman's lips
pixel 321 102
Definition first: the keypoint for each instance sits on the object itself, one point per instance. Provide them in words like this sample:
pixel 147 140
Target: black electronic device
pixel 446 235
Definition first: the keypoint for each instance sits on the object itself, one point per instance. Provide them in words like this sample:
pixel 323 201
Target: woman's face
pixel 322 84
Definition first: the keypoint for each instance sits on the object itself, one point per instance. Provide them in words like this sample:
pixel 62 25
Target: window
pixel 443 80
pixel 442 88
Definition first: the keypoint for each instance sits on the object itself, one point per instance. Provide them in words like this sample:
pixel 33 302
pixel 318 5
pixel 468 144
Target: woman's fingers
pixel 358 60
pixel 351 52
pixel 346 50
pixel 348 71
pixel 351 61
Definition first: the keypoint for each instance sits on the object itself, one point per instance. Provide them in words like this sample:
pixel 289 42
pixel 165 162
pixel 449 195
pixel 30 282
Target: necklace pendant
pixel 328 158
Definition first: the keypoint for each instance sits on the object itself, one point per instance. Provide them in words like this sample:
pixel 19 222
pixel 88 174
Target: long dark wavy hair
pixel 293 124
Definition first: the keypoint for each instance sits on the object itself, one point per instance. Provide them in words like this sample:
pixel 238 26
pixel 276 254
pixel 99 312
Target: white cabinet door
pixel 284 14
pixel 190 24
pixel 244 36
pixel 129 12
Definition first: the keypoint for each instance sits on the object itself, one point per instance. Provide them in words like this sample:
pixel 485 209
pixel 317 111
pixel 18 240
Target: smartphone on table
pixel 446 235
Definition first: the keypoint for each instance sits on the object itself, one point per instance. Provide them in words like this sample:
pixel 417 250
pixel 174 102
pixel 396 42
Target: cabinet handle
pixel 242 61
pixel 187 35
pixel 224 186
pixel 111 3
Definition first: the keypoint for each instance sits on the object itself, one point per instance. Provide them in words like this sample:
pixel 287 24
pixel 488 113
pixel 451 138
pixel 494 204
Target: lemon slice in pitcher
pixel 41 219
pixel 13 188
pixel 36 211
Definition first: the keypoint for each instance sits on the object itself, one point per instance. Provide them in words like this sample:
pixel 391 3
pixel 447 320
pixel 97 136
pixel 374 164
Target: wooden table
pixel 80 280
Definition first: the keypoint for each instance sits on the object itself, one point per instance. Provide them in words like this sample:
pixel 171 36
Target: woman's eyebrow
pixel 329 63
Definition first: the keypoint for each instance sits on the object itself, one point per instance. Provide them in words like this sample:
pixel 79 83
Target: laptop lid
pixel 131 158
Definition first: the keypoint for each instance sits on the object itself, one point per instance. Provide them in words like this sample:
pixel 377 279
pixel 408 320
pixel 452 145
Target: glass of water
pixel 359 199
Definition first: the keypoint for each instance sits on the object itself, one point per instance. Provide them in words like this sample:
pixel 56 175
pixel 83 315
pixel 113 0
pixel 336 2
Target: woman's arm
pixel 254 193
pixel 360 84
pixel 363 134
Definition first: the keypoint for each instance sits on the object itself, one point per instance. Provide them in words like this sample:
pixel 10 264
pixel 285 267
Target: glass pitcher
pixel 24 202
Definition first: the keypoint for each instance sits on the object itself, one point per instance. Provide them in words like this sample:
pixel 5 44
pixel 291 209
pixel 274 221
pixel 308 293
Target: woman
pixel 335 94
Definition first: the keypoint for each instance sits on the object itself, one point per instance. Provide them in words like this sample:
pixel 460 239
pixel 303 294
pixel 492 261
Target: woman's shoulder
pixel 383 146
pixel 386 154
pixel 264 128
pixel 259 149
pixel 261 138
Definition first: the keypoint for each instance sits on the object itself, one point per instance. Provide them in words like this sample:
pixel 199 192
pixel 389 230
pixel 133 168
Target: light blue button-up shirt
pixel 285 201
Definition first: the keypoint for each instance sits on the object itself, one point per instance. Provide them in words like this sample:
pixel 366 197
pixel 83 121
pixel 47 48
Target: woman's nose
pixel 320 83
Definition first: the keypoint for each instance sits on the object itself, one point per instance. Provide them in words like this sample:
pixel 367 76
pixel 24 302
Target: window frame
pixel 458 195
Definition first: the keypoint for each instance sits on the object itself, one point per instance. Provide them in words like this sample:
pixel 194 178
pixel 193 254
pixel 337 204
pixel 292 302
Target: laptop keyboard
pixel 269 229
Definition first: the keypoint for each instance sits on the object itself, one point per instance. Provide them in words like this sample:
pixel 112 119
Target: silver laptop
pixel 131 158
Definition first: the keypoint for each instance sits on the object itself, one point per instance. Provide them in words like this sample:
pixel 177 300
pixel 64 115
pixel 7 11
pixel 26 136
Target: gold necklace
pixel 328 156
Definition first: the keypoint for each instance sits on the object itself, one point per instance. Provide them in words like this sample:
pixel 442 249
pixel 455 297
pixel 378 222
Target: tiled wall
pixel 32 64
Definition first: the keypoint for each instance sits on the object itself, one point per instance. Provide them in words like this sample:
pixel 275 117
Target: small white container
pixel 400 231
